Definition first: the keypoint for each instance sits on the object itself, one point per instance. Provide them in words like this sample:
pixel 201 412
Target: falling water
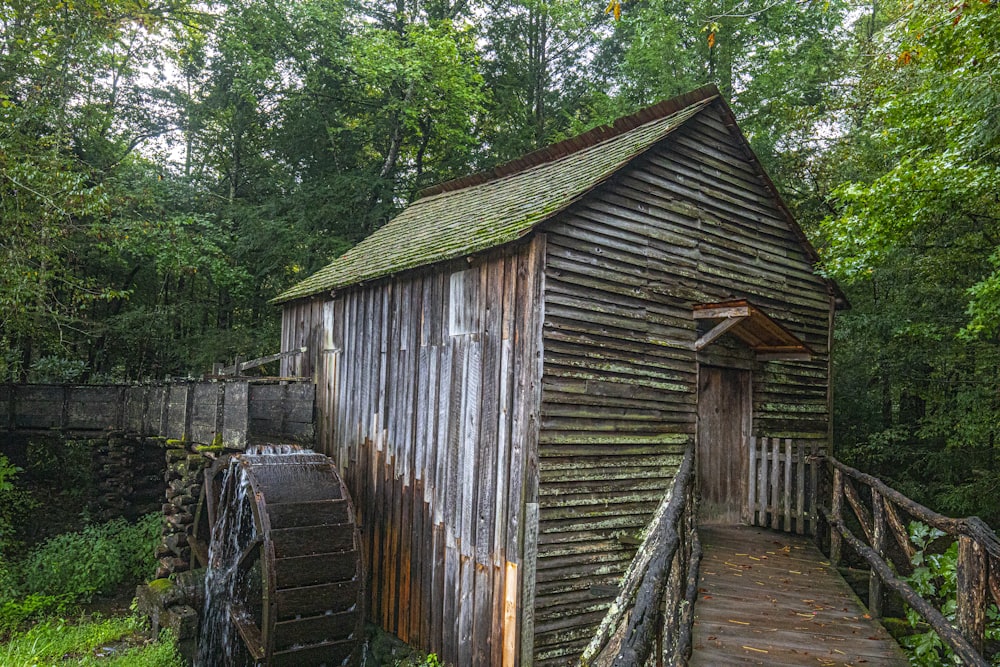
pixel 232 591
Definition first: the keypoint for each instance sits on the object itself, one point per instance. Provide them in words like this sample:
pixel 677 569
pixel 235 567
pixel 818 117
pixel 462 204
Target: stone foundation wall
pixel 184 476
pixel 128 475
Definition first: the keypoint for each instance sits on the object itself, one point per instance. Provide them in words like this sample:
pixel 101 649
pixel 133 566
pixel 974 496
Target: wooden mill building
pixel 509 372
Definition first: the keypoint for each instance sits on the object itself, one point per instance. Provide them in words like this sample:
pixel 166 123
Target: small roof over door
pixel 765 336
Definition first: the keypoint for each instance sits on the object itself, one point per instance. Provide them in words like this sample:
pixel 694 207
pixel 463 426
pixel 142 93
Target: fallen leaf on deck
pixel 758 650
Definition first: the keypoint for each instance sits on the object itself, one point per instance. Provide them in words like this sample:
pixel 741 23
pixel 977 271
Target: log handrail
pixel 978 559
pixel 972 527
pixel 659 587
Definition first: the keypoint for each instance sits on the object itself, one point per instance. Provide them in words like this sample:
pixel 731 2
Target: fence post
pixel 836 511
pixel 751 510
pixel 971 595
pixel 878 545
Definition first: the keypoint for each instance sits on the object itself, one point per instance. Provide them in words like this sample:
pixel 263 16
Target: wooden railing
pixel 881 511
pixel 781 484
pixel 650 622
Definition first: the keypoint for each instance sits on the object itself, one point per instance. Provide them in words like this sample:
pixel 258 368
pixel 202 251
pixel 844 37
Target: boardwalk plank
pixel 772 598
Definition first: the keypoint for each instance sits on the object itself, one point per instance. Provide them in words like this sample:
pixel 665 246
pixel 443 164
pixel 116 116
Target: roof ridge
pixel 575 144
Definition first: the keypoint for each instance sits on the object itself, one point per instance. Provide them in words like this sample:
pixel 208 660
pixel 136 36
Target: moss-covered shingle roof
pixel 487 210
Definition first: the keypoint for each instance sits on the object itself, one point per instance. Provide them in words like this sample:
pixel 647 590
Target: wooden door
pixel 724 410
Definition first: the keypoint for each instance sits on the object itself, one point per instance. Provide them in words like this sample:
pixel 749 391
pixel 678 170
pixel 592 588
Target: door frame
pixel 737 513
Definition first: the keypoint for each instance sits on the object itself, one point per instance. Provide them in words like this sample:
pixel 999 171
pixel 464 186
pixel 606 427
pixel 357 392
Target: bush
pixel 934 578
pixel 96 560
pixel 14 502
pixel 56 370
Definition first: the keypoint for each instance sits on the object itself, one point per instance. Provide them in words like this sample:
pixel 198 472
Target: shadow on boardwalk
pixel 770 598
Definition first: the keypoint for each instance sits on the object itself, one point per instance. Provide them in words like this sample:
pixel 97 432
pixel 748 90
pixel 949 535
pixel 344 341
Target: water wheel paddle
pixel 284 579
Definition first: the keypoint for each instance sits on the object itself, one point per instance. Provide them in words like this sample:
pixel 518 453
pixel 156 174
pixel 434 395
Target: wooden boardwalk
pixel 770 598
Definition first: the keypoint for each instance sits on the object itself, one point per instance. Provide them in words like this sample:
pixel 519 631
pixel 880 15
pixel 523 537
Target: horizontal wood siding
pixel 432 427
pixel 689 223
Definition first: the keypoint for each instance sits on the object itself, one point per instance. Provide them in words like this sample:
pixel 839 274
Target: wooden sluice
pixel 230 411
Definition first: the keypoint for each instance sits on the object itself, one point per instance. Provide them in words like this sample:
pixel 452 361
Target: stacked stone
pixel 184 478
pixel 148 484
pixel 173 604
pixel 115 474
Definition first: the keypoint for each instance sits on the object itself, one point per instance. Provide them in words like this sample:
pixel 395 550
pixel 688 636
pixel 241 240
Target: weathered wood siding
pixel 688 223
pixel 427 397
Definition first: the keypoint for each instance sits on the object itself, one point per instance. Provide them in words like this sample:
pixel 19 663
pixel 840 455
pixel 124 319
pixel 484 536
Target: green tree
pixel 72 110
pixel 915 239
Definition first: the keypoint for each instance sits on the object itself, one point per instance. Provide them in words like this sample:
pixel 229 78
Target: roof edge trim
pixel 569 146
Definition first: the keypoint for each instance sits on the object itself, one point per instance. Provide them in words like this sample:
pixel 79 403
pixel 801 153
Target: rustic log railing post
pixel 978 551
pixel 650 596
pixel 971 595
pixel 878 545
pixel 836 513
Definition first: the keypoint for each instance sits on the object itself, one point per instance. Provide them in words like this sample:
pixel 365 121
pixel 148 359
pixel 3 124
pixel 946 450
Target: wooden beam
pixel 716 331
pixel 260 361
pixel 714 313
pixel 784 356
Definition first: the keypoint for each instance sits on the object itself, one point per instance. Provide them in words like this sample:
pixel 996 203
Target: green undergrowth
pixel 112 642
pixel 934 578
pixel 74 568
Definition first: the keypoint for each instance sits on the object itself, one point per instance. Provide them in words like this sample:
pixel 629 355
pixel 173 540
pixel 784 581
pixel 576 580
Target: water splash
pixel 233 581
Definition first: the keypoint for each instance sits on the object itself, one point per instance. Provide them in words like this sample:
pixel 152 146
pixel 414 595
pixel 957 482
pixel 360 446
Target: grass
pixel 111 642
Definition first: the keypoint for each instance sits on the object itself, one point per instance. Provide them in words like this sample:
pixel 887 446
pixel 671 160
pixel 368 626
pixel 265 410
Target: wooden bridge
pixel 764 592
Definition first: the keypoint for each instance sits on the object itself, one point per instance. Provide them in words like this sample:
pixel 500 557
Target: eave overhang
pixel 762 334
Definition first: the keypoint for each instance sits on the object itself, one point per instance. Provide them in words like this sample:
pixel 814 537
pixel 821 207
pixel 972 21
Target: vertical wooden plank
pixel 762 477
pixel 509 655
pixel 385 329
pixel 535 316
pixel 812 497
pixel 449 622
pixel 491 308
pixel 972 590
pixel 775 470
pixel 875 598
pixel 529 565
pixel 505 590
pixel 836 512
pixel 466 608
pixel 419 562
pixel 403 598
pixel 787 488
pixel 437 588
pixel 800 488
pixel 469 449
pixel 378 531
pixel 750 517
pixel 339 435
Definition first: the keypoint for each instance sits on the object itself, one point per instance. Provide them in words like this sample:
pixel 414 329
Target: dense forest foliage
pixel 167 166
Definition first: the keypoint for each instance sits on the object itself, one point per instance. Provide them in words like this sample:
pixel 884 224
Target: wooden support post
pixel 774 484
pixel 800 489
pixel 786 492
pixel 878 545
pixel 971 596
pixel 837 514
pixel 813 496
pixel 749 515
pixel 762 477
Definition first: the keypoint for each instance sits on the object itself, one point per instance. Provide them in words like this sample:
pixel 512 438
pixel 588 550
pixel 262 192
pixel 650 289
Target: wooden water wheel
pixel 293 556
